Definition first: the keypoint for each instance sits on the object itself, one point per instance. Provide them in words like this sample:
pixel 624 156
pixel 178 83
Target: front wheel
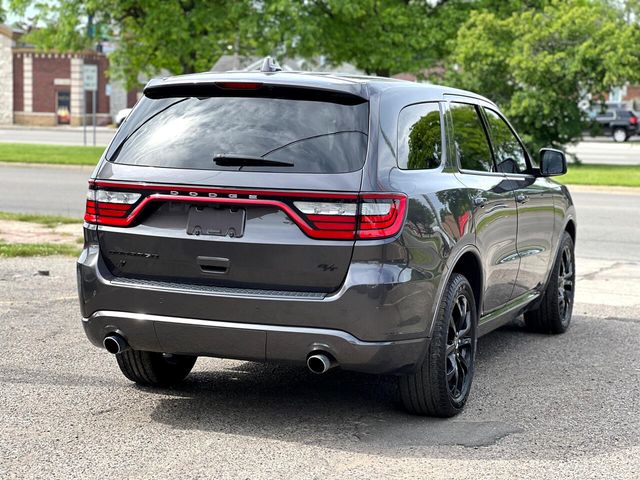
pixel 441 385
pixel 154 369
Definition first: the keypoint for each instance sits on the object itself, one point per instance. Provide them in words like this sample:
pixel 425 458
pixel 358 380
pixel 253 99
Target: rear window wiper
pixel 233 160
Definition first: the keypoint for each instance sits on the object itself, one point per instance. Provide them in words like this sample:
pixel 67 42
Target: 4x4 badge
pixel 327 268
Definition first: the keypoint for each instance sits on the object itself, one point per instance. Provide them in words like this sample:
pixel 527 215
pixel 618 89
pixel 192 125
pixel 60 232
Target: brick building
pixel 38 88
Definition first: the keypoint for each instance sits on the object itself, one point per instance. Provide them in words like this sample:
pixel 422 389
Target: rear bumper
pixel 377 322
pixel 252 341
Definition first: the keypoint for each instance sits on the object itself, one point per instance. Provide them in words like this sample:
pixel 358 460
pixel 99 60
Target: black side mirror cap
pixel 552 162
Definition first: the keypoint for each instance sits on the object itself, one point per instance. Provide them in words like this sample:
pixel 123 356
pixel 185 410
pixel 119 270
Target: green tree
pixel 381 37
pixel 538 64
pixel 425 147
pixel 178 36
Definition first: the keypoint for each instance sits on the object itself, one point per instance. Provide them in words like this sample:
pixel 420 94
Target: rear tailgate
pixel 166 212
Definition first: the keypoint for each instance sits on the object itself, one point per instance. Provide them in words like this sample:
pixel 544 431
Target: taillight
pixel 319 215
pixel 330 220
pixel 633 120
pixel 381 215
pixel 371 216
pixel 109 208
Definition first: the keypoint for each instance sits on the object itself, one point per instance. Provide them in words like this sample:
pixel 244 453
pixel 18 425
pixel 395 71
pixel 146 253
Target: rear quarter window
pixel 420 137
pixel 316 136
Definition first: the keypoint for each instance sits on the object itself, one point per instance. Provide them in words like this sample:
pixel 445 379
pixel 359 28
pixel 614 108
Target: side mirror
pixel 552 162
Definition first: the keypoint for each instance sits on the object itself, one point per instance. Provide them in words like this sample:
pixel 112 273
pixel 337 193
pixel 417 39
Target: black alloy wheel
pixel 441 384
pixel 459 349
pixel 553 312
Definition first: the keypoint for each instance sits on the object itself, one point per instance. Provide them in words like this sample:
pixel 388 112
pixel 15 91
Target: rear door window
pixel 315 136
pixel 470 139
pixel 420 137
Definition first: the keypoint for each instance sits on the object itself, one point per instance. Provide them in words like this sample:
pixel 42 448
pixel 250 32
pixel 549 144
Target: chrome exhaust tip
pixel 320 363
pixel 115 344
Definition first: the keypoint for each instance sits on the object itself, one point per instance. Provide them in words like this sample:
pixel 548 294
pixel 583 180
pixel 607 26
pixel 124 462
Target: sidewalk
pixel 59 128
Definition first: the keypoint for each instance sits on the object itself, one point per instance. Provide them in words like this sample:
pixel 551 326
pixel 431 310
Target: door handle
pixel 522 198
pixel 479 201
pixel 216 265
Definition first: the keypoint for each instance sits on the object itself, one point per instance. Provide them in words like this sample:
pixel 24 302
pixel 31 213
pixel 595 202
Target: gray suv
pixel 363 223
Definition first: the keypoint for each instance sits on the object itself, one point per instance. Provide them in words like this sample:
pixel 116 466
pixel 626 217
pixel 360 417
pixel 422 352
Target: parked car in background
pixel 618 123
pixel 362 223
pixel 121 116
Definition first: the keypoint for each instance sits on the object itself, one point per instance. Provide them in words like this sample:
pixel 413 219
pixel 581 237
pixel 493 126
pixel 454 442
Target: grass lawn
pixel 60 154
pixel 609 175
pixel 37 249
pixel 46 220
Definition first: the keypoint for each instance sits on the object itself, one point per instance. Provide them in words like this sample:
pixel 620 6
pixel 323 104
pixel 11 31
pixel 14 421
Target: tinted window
pixel 316 136
pixel 509 155
pixel 470 139
pixel 419 137
pixel 608 115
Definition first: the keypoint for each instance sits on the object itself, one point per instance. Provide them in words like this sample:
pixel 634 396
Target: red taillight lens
pixel 109 208
pixel 633 120
pixel 381 215
pixel 371 216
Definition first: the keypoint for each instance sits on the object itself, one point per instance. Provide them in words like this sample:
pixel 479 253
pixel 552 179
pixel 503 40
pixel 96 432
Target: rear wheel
pixel 441 385
pixel 620 135
pixel 553 315
pixel 153 368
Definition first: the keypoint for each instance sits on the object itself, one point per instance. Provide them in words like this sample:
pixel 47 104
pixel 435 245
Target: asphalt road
pixel 541 407
pixel 592 150
pixel 55 136
pixel 606 151
pixel 51 190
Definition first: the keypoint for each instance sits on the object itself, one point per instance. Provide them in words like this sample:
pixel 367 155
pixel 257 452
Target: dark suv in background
pixel 363 223
pixel 617 122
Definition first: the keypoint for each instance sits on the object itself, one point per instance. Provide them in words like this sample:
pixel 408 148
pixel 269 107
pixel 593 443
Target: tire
pixel 620 135
pixel 436 389
pixel 154 369
pixel 553 314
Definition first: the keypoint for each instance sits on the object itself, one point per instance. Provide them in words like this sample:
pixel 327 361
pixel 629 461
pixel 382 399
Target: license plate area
pixel 221 222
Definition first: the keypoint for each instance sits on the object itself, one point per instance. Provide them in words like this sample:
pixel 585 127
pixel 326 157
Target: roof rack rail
pixel 270 65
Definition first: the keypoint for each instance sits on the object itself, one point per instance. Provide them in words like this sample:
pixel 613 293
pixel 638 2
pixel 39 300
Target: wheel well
pixel 571 230
pixel 469 266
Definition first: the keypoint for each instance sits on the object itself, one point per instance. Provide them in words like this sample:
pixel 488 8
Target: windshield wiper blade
pixel 233 160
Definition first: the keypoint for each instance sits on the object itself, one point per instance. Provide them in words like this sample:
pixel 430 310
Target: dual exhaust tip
pixel 320 362
pixel 115 344
pixel 317 362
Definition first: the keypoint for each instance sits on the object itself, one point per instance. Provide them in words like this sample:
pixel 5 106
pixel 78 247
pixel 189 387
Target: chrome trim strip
pixel 514 304
pixel 243 326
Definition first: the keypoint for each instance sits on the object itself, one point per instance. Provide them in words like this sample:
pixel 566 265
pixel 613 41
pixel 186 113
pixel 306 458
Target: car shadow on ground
pixel 343 410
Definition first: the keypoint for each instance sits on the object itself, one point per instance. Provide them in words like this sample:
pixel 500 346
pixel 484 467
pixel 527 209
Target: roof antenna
pixel 270 65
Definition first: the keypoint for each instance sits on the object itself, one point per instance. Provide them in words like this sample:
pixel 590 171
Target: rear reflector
pixel 331 217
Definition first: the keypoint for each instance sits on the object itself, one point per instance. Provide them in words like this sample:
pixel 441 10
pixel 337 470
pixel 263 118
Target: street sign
pixel 89 84
pixel 90 77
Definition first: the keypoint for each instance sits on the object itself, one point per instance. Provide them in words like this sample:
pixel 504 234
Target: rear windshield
pixel 188 132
